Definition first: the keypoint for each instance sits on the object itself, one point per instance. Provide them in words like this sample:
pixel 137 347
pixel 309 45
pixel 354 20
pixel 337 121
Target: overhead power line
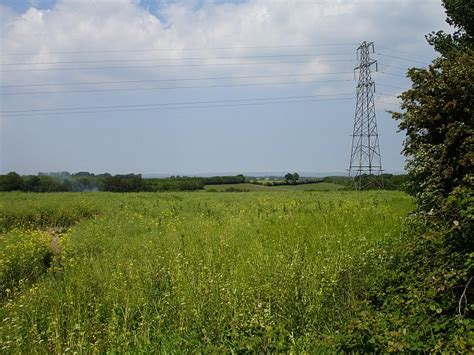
pixel 173 80
pixel 172 103
pixel 384 102
pixel 402 58
pixel 382 95
pixel 129 50
pixel 405 69
pixel 177 87
pixel 178 65
pixel 393 74
pixel 410 54
pixel 392 86
pixel 386 94
pixel 128 60
pixel 249 102
pixel 389 103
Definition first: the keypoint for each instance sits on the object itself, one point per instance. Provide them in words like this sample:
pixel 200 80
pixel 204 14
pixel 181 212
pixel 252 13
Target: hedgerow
pixel 421 299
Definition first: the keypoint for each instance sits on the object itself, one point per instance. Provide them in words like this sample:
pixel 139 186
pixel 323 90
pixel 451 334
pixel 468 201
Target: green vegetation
pixel 421 299
pixel 390 181
pixel 88 182
pixel 320 186
pixel 242 187
pixel 260 271
pixel 292 178
pixel 20 211
pixel 24 256
pixel 184 271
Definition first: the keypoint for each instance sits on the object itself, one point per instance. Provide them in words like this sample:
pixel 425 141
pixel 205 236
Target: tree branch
pixel 463 297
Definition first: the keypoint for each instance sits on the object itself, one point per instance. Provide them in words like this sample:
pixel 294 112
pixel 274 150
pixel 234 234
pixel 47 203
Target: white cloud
pixel 74 25
pixel 110 26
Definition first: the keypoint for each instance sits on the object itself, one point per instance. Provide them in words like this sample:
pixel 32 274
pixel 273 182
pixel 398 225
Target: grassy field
pixel 241 187
pixel 181 271
pixel 321 186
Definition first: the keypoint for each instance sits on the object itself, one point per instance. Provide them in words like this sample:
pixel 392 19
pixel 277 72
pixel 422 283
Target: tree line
pixel 88 182
pixel 390 181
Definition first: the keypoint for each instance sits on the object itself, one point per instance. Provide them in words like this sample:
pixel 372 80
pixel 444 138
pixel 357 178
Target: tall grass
pixel 31 211
pixel 197 271
pixel 24 256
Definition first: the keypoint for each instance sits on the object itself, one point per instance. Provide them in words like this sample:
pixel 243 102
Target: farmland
pixel 183 271
pixel 320 186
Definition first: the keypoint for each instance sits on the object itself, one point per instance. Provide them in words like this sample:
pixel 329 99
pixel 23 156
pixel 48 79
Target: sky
pixel 200 86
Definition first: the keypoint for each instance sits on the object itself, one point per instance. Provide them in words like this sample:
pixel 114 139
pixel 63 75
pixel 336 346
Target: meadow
pixel 187 271
pixel 247 187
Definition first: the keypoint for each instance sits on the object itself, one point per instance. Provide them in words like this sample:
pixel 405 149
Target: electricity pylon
pixel 366 163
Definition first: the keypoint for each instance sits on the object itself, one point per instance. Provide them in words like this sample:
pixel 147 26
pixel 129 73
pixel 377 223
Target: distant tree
pixel 296 177
pixel 67 185
pixel 292 178
pixel 32 184
pixel 123 183
pixel 11 182
pixel 49 184
pixel 83 173
pixel 86 182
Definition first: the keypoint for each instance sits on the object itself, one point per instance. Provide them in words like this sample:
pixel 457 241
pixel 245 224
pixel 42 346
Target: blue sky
pixel 153 6
pixel 245 50
pixel 22 6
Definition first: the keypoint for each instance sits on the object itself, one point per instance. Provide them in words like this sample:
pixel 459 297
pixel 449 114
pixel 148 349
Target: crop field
pixel 320 186
pixel 94 272
pixel 240 187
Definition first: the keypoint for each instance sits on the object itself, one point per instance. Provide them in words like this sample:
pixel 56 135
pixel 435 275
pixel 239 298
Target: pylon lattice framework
pixel 366 163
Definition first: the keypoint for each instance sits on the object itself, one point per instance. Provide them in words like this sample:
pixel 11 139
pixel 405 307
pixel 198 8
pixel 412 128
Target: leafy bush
pixel 421 298
pixel 24 255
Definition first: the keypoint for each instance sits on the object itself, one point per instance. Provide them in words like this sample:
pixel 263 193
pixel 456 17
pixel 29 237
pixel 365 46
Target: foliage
pixel 194 272
pixel 420 300
pixel 11 182
pixel 315 186
pixel 459 15
pixel 235 189
pixel 292 178
pixel 174 184
pixel 89 182
pixel 222 180
pixel 439 122
pixel 24 256
pixel 123 183
pixel 19 212
pixel 417 300
pixel 390 181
